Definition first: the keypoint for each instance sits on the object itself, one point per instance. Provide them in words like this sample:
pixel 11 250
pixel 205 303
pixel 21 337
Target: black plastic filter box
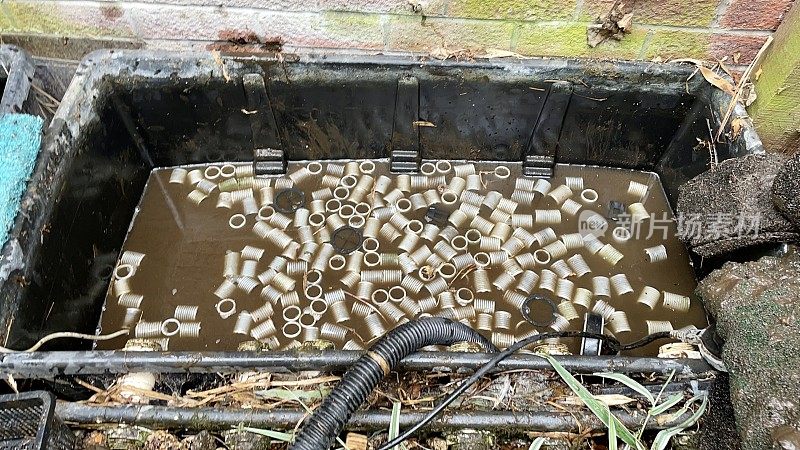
pixel 127 112
pixel 16 74
pixel 28 422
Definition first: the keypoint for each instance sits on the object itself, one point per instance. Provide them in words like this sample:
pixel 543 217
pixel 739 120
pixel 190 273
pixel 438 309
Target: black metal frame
pixel 52 364
pixel 220 419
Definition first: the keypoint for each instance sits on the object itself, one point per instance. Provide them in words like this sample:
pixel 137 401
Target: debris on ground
pixel 612 25
pixel 757 309
pixel 244 41
pixel 163 440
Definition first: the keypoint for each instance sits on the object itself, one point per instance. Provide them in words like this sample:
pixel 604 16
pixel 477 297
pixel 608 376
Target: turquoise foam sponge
pixel 20 138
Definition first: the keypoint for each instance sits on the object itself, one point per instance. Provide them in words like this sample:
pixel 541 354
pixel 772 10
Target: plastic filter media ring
pixel 237 221
pixel 502 172
pixel 589 196
pixel 226 307
pixel 124 271
pixel 170 327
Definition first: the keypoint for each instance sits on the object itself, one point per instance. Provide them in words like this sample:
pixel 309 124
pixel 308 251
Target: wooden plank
pixel 776 112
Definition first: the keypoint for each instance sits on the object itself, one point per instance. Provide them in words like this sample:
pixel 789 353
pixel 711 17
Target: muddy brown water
pixel 185 246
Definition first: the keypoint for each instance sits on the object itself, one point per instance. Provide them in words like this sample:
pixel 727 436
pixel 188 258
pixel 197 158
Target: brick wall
pixel 664 29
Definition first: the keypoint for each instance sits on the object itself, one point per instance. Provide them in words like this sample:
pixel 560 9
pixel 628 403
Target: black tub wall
pixel 104 176
pixel 80 242
pixel 183 111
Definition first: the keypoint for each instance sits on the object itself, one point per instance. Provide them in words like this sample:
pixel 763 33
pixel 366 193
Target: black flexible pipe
pixel 328 421
pixel 612 343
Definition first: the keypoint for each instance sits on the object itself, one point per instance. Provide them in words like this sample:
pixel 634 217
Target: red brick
pixel 755 15
pixel 722 45
pixel 682 13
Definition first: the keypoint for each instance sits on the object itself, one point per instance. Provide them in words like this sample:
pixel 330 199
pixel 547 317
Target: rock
pixel 94 440
pixel 200 441
pixel 757 311
pixel 163 440
pixel 786 189
pixel 733 204
pixel 242 440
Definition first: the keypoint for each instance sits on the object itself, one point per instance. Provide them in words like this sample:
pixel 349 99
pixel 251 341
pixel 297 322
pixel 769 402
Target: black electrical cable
pixel 613 344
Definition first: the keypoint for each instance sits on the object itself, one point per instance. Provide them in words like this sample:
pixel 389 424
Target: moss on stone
pixel 512 9
pixel 570 40
pixel 759 319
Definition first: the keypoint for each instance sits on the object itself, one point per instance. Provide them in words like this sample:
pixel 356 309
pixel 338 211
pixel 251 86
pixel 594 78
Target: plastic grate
pixel 28 422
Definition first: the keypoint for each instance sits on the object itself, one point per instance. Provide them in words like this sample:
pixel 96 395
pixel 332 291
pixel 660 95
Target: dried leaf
pixel 440 53
pixel 736 127
pixel 758 73
pixel 728 71
pixel 500 53
pixel 748 94
pixel 12 383
pixel 285 394
pixel 423 123
pixel 594 36
pixel 218 59
pixel 614 24
pixel 626 21
pixel 736 57
pixel 717 80
pixel 696 62
pixel 607 399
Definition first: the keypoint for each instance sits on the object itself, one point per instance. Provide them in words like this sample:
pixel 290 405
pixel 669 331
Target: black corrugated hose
pixel 328 421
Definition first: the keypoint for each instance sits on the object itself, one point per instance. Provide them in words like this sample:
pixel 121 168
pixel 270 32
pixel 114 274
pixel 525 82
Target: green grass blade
pixel 596 407
pixel 394 423
pixel 673 400
pixel 612 433
pixel 277 435
pixel 664 436
pixel 537 443
pixel 630 382
pixel 283 394
pixel 658 399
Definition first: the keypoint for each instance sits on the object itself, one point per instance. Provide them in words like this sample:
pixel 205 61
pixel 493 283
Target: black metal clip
pixel 405 145
pixel 268 155
pixel 540 155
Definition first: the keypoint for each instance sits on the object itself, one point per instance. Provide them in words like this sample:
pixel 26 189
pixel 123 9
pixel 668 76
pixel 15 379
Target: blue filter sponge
pixel 20 137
